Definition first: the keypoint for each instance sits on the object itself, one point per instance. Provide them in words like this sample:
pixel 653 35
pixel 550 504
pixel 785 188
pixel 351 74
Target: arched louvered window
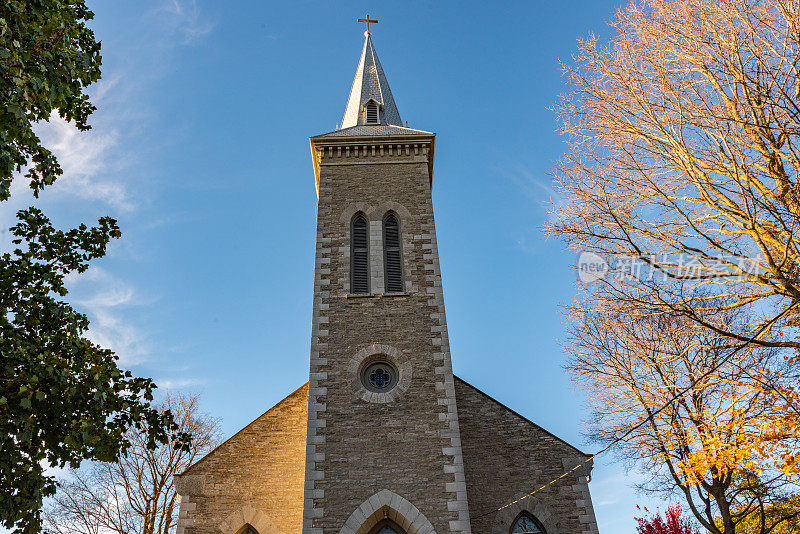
pixel 248 530
pixel 393 261
pixel 527 524
pixel 372 112
pixel 359 254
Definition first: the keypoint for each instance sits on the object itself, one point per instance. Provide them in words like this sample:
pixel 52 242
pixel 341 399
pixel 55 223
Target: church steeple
pixel 374 443
pixel 371 100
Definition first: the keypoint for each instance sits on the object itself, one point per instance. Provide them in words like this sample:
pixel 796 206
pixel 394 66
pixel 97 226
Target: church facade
pixel 383 438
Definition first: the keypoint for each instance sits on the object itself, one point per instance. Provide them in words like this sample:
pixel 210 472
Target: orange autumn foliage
pixel 684 149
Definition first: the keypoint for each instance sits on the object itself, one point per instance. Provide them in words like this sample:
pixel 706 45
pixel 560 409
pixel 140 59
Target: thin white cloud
pixel 609 490
pixel 105 299
pixel 110 297
pixel 102 89
pixel 540 189
pixel 184 17
pixel 110 330
pixel 96 165
pixel 86 159
pixel 92 274
pixel 178 383
pixel 618 484
pixel 536 186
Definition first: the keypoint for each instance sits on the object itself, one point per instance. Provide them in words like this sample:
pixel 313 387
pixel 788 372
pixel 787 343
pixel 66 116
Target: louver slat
pixel 393 261
pixel 372 113
pixel 359 261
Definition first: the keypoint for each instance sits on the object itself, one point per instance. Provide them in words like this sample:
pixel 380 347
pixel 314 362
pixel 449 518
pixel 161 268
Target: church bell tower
pixel 383 445
pixel 383 439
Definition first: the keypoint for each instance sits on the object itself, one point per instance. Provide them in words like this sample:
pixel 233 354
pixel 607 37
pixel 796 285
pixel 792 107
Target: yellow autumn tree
pixel 682 173
pixel 687 409
pixel 684 152
pixel 788 508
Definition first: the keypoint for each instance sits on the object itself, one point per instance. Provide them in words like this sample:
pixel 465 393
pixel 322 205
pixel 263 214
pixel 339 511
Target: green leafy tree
pixel 63 399
pixel 48 56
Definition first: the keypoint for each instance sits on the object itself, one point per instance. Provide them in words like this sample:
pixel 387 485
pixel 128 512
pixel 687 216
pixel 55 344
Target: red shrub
pixel 671 523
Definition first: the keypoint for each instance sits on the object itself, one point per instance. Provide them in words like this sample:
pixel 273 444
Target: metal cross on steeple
pixel 369 83
pixel 367 20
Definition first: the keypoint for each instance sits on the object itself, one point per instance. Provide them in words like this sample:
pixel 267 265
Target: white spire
pixel 370 84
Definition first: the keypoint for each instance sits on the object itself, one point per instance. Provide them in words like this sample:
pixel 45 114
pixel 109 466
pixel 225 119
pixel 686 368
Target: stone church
pixel 383 438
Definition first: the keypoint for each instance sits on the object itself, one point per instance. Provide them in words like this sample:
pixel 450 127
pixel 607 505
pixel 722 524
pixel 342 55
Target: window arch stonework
pixel 248 516
pixel 526 523
pixel 386 505
pixel 374 214
pixel 505 518
pixel 378 351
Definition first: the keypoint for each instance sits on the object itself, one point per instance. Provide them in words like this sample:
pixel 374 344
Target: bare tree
pixel 134 495
pixel 717 444
pixel 684 149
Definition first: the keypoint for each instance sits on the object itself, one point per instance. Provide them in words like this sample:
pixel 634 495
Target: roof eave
pixel 372 139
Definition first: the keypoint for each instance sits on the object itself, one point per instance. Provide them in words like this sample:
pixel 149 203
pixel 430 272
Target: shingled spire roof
pixel 370 94
pixel 370 84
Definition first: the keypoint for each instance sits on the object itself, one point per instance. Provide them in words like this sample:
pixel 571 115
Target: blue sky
pixel 200 150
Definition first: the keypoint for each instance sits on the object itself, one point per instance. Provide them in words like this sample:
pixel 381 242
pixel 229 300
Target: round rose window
pixel 379 376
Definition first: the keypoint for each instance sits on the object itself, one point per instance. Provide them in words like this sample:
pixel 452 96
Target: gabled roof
pixel 517 414
pixel 302 391
pixel 377 130
pixel 370 83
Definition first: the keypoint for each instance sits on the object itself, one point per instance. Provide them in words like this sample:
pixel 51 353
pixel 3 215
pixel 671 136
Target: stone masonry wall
pixel 506 456
pixel 333 458
pixel 359 445
pixel 255 477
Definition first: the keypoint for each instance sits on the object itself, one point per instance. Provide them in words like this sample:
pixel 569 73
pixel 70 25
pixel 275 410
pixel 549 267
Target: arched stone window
pixel 248 529
pixel 387 526
pixel 525 523
pixel 393 260
pixel 359 254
